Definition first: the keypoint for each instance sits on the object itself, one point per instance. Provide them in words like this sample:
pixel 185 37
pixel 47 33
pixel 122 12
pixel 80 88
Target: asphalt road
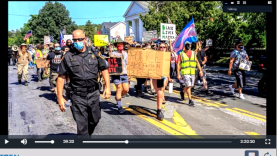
pixel 33 111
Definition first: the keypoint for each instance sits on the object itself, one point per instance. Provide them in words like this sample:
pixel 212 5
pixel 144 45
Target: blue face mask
pixel 79 45
pixel 57 48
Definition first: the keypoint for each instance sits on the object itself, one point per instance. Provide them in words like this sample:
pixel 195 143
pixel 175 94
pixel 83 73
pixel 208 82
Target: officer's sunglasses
pixel 79 39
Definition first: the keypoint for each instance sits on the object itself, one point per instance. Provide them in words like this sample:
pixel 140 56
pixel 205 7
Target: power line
pixel 73 18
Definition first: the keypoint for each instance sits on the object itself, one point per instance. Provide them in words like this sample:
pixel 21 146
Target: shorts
pixel 54 77
pixel 118 79
pixel 198 76
pixel 240 78
pixel 188 80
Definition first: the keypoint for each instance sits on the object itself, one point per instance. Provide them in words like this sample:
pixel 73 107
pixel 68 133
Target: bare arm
pixel 205 60
pixel 60 85
pixel 178 67
pixel 247 58
pixel 230 63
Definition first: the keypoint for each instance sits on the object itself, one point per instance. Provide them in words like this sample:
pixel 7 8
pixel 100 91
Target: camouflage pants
pixel 22 69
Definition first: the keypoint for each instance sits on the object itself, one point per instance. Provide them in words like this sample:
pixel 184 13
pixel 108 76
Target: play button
pixel 6 141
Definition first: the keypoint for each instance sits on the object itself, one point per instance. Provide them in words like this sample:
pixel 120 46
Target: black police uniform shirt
pixel 55 59
pixel 200 56
pixel 82 67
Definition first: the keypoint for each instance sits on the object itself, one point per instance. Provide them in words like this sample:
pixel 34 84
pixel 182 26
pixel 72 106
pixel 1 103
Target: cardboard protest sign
pixel 128 39
pixel 115 65
pixel 46 40
pixel 100 40
pixel 148 35
pixel 148 63
pixel 209 42
pixel 41 63
pixel 167 31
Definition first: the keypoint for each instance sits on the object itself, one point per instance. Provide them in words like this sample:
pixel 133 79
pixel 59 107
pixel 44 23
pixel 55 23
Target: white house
pixel 114 30
pixel 132 15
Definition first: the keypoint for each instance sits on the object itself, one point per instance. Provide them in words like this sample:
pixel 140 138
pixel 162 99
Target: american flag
pixel 51 38
pixel 28 34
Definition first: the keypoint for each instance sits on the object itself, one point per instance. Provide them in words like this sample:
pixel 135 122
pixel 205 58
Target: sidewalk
pixel 215 69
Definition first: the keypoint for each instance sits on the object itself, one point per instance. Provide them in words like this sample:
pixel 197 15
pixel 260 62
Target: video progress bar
pixel 183 142
pixel 164 142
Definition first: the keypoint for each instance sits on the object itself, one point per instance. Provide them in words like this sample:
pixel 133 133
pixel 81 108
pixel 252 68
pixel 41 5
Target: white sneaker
pixel 241 96
pixel 198 82
pixel 231 89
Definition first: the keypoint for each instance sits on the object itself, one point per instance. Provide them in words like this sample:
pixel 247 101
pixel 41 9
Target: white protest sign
pixel 209 42
pixel 46 40
pixel 66 37
pixel 167 31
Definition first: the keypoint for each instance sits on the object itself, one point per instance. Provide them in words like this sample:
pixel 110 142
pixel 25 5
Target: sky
pixel 95 11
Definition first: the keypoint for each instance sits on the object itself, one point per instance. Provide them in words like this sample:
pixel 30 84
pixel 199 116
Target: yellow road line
pixel 246 115
pixel 250 112
pixel 254 135
pixel 184 130
pixel 154 122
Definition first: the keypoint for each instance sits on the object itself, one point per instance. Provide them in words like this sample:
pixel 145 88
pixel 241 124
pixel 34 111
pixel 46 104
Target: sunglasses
pixel 79 39
pixel 163 47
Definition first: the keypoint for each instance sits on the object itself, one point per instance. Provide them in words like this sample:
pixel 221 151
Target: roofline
pixel 146 10
pixel 128 8
pixel 117 24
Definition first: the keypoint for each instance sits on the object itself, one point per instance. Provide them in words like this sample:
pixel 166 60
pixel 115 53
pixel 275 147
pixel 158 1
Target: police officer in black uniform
pixel 83 66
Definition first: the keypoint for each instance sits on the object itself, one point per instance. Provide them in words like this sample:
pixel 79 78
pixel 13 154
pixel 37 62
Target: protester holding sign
pixel 38 55
pixel 121 81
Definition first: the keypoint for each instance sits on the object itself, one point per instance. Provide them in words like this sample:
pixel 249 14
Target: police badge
pixel 92 56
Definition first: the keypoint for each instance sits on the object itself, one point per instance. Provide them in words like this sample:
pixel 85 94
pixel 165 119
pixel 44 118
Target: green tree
pixel 210 22
pixel 89 30
pixel 50 19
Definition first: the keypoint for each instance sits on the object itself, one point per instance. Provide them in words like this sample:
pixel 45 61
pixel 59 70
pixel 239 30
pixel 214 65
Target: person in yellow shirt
pixel 38 55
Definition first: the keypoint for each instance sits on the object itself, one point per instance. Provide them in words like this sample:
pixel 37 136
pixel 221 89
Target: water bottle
pixel 171 87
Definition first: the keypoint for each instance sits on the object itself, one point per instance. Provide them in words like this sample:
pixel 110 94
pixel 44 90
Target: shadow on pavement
pixel 44 88
pixel 49 96
pixel 34 78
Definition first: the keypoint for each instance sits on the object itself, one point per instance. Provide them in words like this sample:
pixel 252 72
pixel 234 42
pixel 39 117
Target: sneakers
pixel 182 95
pixel 121 110
pixel 231 89
pixel 241 96
pixel 191 103
pixel 159 115
pixel 25 83
pixel 208 92
pixel 19 81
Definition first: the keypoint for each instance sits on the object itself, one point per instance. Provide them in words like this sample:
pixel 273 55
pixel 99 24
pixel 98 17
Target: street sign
pixel 148 35
pixel 209 42
pixel 167 31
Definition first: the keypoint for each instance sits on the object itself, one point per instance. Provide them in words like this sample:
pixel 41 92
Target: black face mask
pixel 187 46
pixel 240 46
